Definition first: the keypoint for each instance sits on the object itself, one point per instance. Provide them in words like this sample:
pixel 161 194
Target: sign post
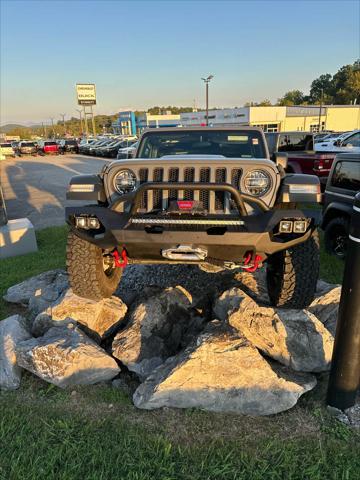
pixel 345 366
pixel 86 96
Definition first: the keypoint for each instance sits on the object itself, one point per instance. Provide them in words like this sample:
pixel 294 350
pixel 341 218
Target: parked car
pixel 346 142
pixel 84 145
pixel 27 148
pixel 299 147
pixel 342 185
pixel 103 150
pixel 48 147
pixel 101 143
pixel 207 195
pixel 7 149
pixel 128 152
pixel 68 146
pixel 111 151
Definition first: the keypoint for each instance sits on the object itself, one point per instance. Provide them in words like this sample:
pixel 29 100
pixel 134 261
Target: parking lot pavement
pixel 35 187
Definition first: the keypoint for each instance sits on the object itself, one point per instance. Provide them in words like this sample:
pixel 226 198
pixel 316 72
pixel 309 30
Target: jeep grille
pixel 214 202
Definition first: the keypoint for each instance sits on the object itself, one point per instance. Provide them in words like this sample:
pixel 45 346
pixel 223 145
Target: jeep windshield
pixel 228 143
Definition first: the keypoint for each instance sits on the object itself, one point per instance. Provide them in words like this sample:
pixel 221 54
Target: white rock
pixel 65 356
pixel 326 308
pixel 222 372
pixel 100 319
pixel 154 332
pixel 295 338
pixel 12 331
pixel 40 291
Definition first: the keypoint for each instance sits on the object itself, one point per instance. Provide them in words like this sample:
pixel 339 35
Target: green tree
pixel 293 97
pixel 322 88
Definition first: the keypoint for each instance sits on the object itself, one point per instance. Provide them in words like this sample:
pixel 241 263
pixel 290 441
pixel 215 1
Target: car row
pixel 42 147
pixel 118 147
pixel 336 143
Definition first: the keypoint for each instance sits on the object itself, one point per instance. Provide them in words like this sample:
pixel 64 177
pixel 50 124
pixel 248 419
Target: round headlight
pixel 257 182
pixel 125 181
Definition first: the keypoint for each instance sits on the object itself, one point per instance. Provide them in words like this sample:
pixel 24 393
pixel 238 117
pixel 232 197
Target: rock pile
pixel 213 342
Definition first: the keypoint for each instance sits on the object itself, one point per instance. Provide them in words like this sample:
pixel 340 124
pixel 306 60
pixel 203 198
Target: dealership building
pixel 338 118
pixel 275 119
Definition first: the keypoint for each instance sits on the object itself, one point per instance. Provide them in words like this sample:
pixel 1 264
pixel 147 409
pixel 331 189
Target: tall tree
pixel 322 88
pixel 293 97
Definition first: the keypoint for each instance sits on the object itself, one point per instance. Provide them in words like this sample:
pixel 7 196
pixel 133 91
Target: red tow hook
pixel 116 256
pixel 255 266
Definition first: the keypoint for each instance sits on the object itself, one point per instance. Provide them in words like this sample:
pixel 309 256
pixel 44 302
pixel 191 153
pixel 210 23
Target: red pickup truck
pixel 48 147
pixel 299 147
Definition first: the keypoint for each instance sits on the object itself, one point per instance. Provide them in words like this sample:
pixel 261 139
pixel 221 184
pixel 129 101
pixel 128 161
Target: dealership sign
pixel 86 93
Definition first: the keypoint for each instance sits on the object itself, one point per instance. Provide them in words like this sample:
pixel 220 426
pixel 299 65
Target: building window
pixel 268 127
pixel 314 127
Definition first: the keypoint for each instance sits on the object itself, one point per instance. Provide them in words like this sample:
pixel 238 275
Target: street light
pixel 52 123
pixel 207 81
pixel 63 119
pixel 320 109
pixel 81 122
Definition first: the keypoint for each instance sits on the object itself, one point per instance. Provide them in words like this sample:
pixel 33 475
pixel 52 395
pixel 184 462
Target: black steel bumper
pixel 225 237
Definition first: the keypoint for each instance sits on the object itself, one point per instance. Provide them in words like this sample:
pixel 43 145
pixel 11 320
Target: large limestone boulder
pixel 65 356
pixel 221 371
pixel 155 329
pixel 227 302
pixel 326 308
pixel 295 338
pixel 98 319
pixel 38 292
pixel 12 331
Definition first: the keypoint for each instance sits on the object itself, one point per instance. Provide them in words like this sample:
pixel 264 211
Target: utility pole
pixel 320 109
pixel 44 128
pixel 63 119
pixel 207 81
pixel 52 123
pixel 81 122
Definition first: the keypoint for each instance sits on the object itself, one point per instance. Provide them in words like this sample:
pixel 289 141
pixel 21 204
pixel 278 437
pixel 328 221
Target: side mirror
pixel 337 143
pixel 281 159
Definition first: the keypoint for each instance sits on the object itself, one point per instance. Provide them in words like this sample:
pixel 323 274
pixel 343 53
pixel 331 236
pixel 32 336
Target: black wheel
pixel 336 236
pixel 292 274
pixel 92 271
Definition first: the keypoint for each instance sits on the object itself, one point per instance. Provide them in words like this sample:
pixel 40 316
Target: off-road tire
pixel 87 276
pixel 337 227
pixel 292 274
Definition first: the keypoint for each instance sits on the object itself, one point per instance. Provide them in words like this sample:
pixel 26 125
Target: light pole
pixel 81 122
pixel 52 123
pixel 63 119
pixel 321 102
pixel 207 81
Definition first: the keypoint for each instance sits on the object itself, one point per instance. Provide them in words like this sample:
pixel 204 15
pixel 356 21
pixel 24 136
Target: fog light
pixel 87 223
pixel 81 222
pixel 286 226
pixel 300 226
pixel 93 222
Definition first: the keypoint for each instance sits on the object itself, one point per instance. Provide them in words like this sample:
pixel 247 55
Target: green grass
pixel 95 433
pixel 47 433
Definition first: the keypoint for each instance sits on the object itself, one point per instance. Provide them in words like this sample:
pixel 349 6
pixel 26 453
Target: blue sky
pixel 145 53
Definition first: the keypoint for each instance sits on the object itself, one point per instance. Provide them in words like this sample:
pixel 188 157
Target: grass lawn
pixel 95 433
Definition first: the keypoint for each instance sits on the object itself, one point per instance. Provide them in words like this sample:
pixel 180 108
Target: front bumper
pixel 228 241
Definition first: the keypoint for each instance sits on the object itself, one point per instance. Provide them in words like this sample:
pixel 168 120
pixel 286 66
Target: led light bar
pixel 81 188
pixel 171 221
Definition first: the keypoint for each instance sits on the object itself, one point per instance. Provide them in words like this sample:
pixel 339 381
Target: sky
pixel 145 53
